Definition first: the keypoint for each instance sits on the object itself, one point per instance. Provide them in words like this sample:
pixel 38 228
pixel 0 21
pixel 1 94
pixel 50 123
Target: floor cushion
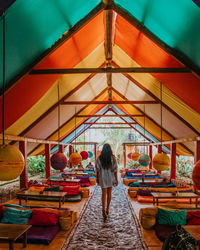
pixel 40 234
pixel 71 190
pixel 163 231
pixel 172 218
pixel 16 216
pixel 73 198
pixel 193 218
pixel 42 217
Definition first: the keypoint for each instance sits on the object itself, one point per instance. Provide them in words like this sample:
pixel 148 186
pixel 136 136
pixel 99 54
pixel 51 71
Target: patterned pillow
pixel 172 218
pixel 16 216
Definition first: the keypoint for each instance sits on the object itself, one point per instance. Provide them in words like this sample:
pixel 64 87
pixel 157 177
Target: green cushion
pixel 172 218
pixel 16 216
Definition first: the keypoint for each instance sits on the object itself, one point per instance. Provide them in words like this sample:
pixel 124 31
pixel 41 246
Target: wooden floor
pixel 60 238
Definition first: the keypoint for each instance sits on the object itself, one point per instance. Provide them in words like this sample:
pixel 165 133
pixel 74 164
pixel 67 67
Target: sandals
pixel 104 214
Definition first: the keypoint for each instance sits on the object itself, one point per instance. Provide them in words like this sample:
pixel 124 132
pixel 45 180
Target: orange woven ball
pixel 11 162
pixel 75 158
pixel 196 174
pixel 161 161
pixel 135 156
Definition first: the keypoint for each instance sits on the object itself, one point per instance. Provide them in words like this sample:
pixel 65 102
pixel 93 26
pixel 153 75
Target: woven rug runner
pixel 119 231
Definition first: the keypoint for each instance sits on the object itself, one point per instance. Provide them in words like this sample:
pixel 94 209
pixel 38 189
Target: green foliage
pixel 36 164
pixel 133 164
pixel 184 167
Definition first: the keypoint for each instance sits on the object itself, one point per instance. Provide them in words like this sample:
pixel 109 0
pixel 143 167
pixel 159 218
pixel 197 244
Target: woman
pixel 106 170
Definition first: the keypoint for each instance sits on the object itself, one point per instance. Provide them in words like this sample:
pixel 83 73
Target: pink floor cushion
pixel 41 234
pixel 193 218
pixel 87 184
pixel 163 231
pixel 149 199
pixel 43 218
pixel 71 190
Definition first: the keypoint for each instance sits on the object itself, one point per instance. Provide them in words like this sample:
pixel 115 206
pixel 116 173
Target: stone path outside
pixel 120 231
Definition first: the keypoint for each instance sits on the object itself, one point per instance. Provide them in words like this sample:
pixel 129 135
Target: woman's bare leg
pixel 109 196
pixel 103 198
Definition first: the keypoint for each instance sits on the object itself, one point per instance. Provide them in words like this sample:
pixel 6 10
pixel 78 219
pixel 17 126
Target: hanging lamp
pixel 11 158
pixel 144 159
pixel 84 154
pixel 75 158
pixel 58 160
pixel 161 161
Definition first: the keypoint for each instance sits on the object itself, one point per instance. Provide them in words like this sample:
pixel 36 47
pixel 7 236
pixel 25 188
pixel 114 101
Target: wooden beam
pixel 175 53
pixel 136 143
pixel 58 43
pixel 56 104
pixel 157 99
pixel 109 115
pixel 110 123
pixel 62 138
pixel 183 140
pixel 152 121
pixel 107 102
pixel 30 140
pixel 108 70
pixel 110 128
pixel 173 161
pixel 84 143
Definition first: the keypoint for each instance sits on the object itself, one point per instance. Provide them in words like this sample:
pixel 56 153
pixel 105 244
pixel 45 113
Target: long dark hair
pixel 105 156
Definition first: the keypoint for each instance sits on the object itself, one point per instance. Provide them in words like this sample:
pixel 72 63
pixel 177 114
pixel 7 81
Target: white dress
pixel 106 176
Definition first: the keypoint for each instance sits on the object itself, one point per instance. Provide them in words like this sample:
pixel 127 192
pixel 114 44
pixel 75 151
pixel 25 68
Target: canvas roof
pixel 83 34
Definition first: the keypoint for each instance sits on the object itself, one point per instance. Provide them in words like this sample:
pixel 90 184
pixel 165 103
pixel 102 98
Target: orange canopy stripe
pixel 25 93
pixel 148 54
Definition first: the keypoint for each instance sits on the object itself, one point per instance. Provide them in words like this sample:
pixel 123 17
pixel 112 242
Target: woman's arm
pixel 116 177
pixel 115 167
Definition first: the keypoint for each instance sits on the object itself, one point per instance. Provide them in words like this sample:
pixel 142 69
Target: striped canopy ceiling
pixel 66 34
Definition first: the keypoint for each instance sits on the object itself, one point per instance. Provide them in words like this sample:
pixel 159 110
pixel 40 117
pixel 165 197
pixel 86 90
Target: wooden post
pixel 47 161
pixel 124 152
pixel 197 151
pixel 24 174
pixel 173 161
pixel 70 152
pixel 159 151
pixel 61 150
pixel 95 153
pixel 150 155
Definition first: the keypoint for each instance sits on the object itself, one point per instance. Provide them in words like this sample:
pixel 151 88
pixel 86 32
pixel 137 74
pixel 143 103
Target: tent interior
pixel 67 63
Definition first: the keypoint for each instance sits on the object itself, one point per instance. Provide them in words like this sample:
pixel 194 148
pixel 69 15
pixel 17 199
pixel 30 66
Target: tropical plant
pixel 36 164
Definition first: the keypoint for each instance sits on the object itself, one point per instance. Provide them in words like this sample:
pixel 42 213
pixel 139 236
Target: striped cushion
pixel 16 216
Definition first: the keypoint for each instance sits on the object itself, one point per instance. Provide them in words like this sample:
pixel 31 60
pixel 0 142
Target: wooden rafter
pixel 167 132
pixel 31 140
pixel 184 140
pixel 58 43
pixel 109 70
pixel 70 120
pixel 178 55
pixel 107 102
pixel 56 104
pixel 116 115
pixel 157 99
pixel 110 128
pixel 110 123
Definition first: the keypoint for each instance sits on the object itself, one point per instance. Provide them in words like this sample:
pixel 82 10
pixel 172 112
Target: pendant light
pixel 161 161
pixel 58 160
pixel 144 159
pixel 75 158
pixel 11 158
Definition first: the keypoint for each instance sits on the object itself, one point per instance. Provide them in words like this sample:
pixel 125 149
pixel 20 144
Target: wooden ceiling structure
pixel 118 82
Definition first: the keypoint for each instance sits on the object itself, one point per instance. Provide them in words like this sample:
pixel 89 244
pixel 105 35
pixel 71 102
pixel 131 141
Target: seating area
pixel 158 221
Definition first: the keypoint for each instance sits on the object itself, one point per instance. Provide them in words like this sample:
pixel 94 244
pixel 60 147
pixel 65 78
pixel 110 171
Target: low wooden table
pixel 157 196
pixel 145 175
pixel 154 181
pixel 11 232
pixel 192 229
pixel 64 180
pixel 26 194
